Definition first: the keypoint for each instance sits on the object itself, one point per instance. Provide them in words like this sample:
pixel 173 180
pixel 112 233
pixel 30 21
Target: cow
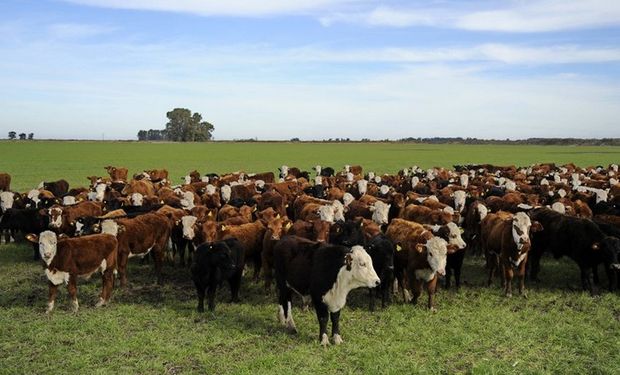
pixel 67 258
pixel 325 273
pixel 454 262
pixel 420 255
pixel 157 175
pixel 381 251
pixel 57 188
pixel 117 174
pixel 5 182
pixel 579 239
pixel 63 219
pixel 27 220
pixel 251 238
pixel 213 263
pixel 422 214
pixel 506 241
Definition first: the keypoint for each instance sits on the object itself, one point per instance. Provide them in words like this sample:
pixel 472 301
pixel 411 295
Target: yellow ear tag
pixel 399 248
pixel 288 225
pixel 223 227
pixel 462 230
pixel 210 213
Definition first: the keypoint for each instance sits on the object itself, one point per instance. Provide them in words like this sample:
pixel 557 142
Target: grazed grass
pixel 31 162
pixel 152 329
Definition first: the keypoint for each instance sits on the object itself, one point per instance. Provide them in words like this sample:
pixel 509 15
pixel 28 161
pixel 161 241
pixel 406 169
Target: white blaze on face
pixel 109 227
pixel 464 179
pixel 6 200
pixel 459 200
pixel 204 179
pixel 455 236
pixel 360 274
pixel 338 211
pixel 448 210
pixel 349 177
pixel 137 199
pixel 225 191
pixel 362 186
pixel 563 170
pixel 614 167
pixel 433 198
pixel 384 189
pixel 559 207
pixel 436 255
pixel 521 224
pixel 78 228
pixel 430 174
pixel 284 171
pixel 69 200
pixel 501 181
pixel 557 178
pixel 511 185
pixel 562 193
pixel 601 195
pixel 544 181
pixel 371 175
pixel 55 214
pixel 210 189
pixel 326 213
pixel 380 212
pixel 146 176
pixel 318 180
pixel 317 169
pixel 347 198
pixel 187 179
pixel 260 184
pixel 415 180
pixel 188 226
pixel 613 181
pixel 483 211
pixel 188 200
pixel 406 172
pixel 347 168
pixel 377 179
pixel 47 246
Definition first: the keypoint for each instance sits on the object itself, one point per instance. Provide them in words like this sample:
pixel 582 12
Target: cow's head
pixel 321 230
pixel 338 210
pixel 464 179
pixel 225 191
pixel 100 192
pixel 187 200
pixel 381 251
pixel 220 263
pixel 326 213
pixel 359 269
pixel 609 250
pixel 347 233
pixel 187 223
pixel 111 227
pixel 347 198
pixel 55 215
pixel 459 200
pixel 6 200
pixel 47 244
pixel 454 236
pixel 436 254
pixel 362 186
pixel 137 199
pixel 380 212
pixel 283 171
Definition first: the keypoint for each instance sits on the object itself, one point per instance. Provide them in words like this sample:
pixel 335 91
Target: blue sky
pixel 314 69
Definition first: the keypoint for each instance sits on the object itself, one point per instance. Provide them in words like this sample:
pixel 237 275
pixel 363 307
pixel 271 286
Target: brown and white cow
pixel 67 258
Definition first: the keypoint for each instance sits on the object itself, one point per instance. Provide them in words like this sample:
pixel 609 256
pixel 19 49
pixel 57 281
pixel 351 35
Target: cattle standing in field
pixel 381 251
pixel 57 188
pixel 213 263
pixel 326 273
pixel 506 240
pixel 68 258
pixel 25 220
pixel 117 174
pixel 5 182
pixel 579 239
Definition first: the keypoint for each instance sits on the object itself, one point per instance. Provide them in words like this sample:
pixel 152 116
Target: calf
pixel 213 263
pixel 57 188
pixel 117 173
pixel 251 238
pixel 381 251
pixel 67 258
pixel 327 274
pixel 25 220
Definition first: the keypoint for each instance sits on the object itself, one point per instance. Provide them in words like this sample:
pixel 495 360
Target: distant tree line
pixel 182 126
pixel 22 136
pixel 527 141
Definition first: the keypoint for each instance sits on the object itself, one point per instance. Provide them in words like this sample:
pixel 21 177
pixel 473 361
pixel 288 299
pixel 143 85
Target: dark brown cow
pixel 67 258
pixel 5 182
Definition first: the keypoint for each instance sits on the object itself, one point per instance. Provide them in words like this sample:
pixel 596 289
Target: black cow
pixel 580 239
pixel 326 274
pixel 213 263
pixel 348 233
pixel 58 188
pixel 25 220
pixel 381 251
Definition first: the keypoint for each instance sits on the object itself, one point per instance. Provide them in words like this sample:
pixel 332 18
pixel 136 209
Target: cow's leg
pixel 416 288
pixel 53 291
pixel 586 279
pixel 385 294
pixel 457 274
pixel 521 275
pixel 35 252
pixel 72 288
pixel 122 267
pixel 182 245
pixel 595 278
pixel 108 285
pixel 431 288
pixel 611 278
pixel 235 284
pixel 323 316
pixel 211 289
pixel 534 265
pixel 158 255
pixel 448 276
pixel 257 265
pixel 200 291
pixel 492 265
pixel 190 252
pixel 508 274
pixel 335 318
pixel 371 299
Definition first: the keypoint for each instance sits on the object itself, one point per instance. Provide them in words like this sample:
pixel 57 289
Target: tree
pixel 12 135
pixel 183 126
pixel 22 136
pixel 142 135
pixel 30 136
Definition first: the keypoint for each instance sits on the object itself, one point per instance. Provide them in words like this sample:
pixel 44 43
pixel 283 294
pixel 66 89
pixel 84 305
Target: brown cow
pixel 157 175
pixel 67 258
pixel 5 182
pixel 422 214
pixel 117 174
pixel 251 237
pixel 420 255
pixel 63 219
pixel 143 187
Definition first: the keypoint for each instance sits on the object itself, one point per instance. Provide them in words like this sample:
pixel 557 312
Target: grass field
pixel 151 329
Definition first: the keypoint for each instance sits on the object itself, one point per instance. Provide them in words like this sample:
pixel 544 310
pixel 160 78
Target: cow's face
pixel 464 179
pixel 47 244
pixel 68 200
pixel 188 223
pixel 436 254
pixel 109 227
pixel 100 192
pixel 326 213
pixel 6 200
pixel 362 273
pixel 137 199
pixel 220 257
pixel 225 191
pixel 380 212
pixel 338 211
pixel 362 186
pixel 459 200
pixel 483 211
pixel 610 248
pixel 55 214
pixel 283 171
pixel 347 233
pixel 321 230
pixel 381 250
pixel 187 180
pixel 521 224
pixel 347 198
pixel 455 237
pixel 188 200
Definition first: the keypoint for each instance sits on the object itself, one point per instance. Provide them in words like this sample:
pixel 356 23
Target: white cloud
pixel 78 30
pixel 221 7
pixel 510 16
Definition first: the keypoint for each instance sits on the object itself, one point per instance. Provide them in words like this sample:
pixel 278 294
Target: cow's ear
pixel 348 260
pixel 72 223
pixel 536 227
pixel 32 238
pixel 62 236
pixel 121 228
pixel 452 248
pixel 596 246
pixel 419 247
pixel 177 222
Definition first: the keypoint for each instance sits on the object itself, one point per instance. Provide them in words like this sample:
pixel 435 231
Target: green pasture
pixel 31 162
pixel 151 329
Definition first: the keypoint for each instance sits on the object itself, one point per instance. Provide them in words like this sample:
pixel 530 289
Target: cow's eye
pixel 430 254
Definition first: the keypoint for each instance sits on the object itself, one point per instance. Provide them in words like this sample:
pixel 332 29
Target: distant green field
pixel 31 162
pixel 149 329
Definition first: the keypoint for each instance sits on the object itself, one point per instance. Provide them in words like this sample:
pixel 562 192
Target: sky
pixel 312 69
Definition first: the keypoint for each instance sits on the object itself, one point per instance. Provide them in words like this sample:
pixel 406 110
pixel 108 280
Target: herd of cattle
pixel 322 236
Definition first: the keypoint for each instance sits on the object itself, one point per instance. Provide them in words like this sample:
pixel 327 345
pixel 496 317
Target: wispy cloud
pixel 221 7
pixel 78 30
pixel 511 16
